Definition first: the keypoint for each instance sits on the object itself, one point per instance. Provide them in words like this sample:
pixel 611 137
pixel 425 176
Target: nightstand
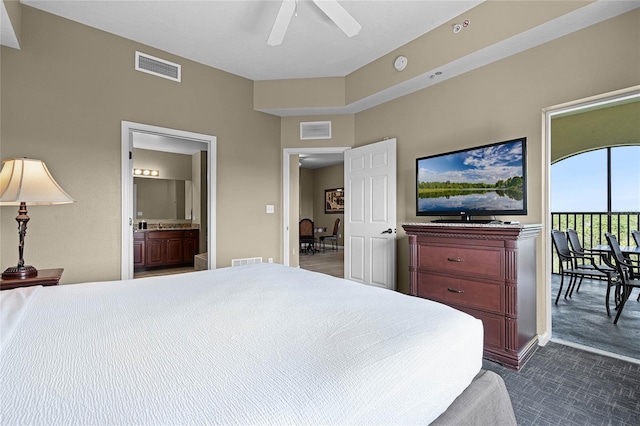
pixel 45 277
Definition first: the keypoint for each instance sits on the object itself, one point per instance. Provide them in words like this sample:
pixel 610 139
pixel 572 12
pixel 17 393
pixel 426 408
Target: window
pixel 625 179
pixel 581 183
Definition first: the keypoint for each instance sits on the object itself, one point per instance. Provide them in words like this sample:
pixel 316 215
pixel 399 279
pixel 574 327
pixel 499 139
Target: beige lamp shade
pixel 25 180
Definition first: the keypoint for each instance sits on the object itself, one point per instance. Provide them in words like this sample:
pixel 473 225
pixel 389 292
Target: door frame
pixel 286 196
pixel 546 334
pixel 127 219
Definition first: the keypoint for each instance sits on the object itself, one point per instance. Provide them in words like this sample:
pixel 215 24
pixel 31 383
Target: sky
pixel 579 183
pixel 486 165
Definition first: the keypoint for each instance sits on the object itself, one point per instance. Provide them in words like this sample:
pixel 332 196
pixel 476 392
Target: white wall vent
pixel 159 67
pixel 315 130
pixel 246 261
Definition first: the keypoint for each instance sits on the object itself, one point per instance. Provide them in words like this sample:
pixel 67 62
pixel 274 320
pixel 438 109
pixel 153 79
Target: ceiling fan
pixel 331 8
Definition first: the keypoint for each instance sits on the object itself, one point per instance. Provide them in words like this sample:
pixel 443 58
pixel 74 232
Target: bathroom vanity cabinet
pixel 164 248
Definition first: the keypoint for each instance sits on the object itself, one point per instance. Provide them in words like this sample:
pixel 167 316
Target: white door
pixel 370 214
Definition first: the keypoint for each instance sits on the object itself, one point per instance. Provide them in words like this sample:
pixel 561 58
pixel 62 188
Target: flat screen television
pixel 488 180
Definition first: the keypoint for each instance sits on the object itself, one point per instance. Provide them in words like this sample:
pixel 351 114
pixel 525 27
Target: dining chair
pixel 333 238
pixel 623 265
pixel 568 269
pixel 307 236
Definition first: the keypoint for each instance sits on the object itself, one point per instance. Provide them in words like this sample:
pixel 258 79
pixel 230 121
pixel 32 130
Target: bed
pixel 254 344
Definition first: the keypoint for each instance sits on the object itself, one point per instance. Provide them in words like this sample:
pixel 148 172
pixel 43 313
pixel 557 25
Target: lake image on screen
pixel 489 178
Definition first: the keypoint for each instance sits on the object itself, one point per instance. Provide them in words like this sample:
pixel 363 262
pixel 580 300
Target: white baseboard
pixel 596 351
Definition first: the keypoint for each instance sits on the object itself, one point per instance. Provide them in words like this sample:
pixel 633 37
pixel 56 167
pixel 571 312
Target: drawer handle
pixel 455 259
pixel 453 290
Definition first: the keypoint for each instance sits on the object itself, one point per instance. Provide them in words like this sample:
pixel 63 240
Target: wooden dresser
pixel 488 271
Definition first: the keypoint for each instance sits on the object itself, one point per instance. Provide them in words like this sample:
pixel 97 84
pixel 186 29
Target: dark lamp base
pixel 19 273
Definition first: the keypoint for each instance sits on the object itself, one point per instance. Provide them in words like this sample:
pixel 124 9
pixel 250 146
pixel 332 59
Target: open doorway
pixel 581 320
pixel 292 160
pixel 321 185
pixel 163 140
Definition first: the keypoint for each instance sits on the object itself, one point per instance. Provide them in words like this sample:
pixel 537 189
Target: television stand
pixel 463 221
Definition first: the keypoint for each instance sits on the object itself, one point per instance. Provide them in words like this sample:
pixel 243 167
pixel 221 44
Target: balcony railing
pixel 591 227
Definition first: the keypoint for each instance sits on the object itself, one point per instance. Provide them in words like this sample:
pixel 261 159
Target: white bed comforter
pixel 257 344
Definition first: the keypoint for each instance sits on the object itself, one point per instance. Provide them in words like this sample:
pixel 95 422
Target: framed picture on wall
pixel 334 200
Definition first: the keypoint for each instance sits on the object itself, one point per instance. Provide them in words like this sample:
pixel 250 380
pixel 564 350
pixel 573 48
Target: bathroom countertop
pixel 168 228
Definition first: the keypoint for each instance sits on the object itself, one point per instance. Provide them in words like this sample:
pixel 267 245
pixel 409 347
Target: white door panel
pixel 356 267
pixel 379 201
pixel 370 211
pixel 356 201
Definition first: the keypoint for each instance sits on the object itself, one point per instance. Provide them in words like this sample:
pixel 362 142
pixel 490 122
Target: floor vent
pixel 315 130
pixel 159 67
pixel 247 261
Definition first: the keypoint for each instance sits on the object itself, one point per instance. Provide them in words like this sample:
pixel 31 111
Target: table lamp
pixel 27 181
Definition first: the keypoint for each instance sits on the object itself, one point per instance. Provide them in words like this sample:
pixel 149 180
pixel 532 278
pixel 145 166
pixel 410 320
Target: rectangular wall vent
pixel 159 67
pixel 246 261
pixel 315 130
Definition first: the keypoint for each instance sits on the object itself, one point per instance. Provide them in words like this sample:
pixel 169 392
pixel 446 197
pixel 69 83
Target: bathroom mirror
pixel 164 199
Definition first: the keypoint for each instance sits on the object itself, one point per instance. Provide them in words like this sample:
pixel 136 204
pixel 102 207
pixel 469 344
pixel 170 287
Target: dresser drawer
pixel 191 233
pixel 165 235
pixel 461 291
pixel 486 262
pixel 494 327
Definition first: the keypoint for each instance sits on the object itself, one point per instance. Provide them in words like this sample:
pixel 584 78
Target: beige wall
pixel 302 93
pixel 64 95
pixel 611 126
pixel 306 194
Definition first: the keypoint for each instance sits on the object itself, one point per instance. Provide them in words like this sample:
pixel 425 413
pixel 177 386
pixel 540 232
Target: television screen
pixel 484 181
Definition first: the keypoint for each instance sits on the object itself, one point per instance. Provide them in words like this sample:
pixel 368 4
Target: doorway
pixel 600 322
pixel 290 216
pixel 322 176
pixel 136 135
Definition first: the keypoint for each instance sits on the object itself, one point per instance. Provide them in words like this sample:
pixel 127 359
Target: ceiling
pixel 232 35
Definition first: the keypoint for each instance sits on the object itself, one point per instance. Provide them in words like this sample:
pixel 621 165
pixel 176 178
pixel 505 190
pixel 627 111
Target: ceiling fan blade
pixel 339 16
pixel 282 22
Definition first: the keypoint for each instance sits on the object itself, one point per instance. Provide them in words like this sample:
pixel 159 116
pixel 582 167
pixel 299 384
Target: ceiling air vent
pixel 156 66
pixel 315 130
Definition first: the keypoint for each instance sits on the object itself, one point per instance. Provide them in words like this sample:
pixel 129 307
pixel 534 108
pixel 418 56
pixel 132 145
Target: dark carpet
pixel 583 319
pixel 562 385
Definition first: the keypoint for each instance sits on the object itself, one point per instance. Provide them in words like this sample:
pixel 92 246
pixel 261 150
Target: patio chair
pixel 623 265
pixel 583 257
pixel 568 269
pixel 636 237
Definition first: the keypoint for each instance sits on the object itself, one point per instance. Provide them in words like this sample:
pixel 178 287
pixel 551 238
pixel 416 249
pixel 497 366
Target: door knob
pixel 388 231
